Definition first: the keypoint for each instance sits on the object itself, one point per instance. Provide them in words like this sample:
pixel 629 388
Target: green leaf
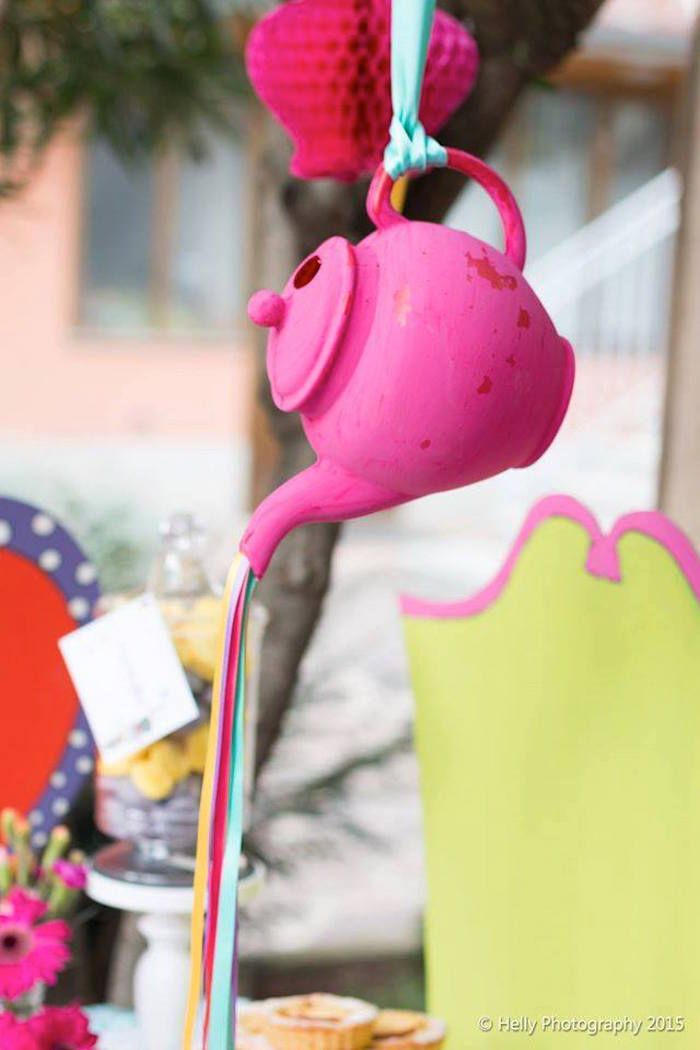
pixel 137 72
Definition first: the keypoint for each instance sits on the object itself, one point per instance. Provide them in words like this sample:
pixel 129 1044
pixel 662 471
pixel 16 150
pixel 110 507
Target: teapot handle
pixel 383 215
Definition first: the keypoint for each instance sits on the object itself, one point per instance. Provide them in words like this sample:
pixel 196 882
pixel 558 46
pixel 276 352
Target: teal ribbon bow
pixel 410 148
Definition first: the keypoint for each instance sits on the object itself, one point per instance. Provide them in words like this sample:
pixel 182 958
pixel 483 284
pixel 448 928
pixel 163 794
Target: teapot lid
pixel 317 302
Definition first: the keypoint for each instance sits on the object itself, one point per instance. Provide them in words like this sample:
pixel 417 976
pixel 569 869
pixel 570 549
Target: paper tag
pixel 129 679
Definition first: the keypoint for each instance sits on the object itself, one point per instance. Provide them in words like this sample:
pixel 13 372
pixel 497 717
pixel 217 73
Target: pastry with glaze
pixel 406 1030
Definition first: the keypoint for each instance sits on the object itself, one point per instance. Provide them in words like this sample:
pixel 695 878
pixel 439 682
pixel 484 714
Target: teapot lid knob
pixel 266 309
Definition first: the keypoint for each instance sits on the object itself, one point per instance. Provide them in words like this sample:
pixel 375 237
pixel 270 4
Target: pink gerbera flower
pixel 61 1028
pixel 15 1034
pixel 30 950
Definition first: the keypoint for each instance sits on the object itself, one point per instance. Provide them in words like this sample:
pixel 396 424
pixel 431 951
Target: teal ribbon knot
pixel 410 148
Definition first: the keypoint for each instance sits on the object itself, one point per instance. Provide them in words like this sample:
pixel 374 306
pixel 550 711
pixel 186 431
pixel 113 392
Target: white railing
pixel 608 289
pixel 619 236
pixel 613 275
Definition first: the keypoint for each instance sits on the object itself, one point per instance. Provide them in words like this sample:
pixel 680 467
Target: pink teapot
pixel 420 361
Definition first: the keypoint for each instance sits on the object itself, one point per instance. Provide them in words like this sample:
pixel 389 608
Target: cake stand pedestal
pixel 161 978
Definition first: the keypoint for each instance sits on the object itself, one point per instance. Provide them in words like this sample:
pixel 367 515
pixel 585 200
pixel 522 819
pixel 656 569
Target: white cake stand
pixel 162 973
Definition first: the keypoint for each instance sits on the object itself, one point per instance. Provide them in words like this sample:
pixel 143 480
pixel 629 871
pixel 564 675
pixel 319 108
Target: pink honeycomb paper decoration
pixel 323 68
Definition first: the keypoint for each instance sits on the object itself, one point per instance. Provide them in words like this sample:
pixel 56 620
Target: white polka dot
pixel 49 560
pixel 43 525
pixel 86 573
pixel 36 817
pixel 5 532
pixel 60 807
pixel 79 608
pixel 78 738
pixel 84 764
pixel 41 838
pixel 58 780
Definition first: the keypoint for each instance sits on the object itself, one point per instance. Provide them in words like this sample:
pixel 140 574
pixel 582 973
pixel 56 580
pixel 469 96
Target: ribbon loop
pixel 410 148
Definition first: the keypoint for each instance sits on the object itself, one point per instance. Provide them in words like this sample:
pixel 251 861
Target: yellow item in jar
pixel 151 778
pixel 156 770
pixel 169 755
pixel 195 637
pixel 114 769
pixel 196 748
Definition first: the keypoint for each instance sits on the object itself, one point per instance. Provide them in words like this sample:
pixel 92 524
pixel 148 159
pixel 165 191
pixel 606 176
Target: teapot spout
pixel 322 492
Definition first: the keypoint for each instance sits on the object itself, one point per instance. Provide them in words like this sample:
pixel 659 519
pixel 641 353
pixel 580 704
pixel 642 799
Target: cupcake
pixel 319 1022
pixel 405 1030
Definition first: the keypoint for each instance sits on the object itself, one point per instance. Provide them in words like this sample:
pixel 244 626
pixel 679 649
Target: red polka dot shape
pixel 48 588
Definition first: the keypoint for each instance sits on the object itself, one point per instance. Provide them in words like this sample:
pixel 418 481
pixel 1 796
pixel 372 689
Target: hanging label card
pixel 129 679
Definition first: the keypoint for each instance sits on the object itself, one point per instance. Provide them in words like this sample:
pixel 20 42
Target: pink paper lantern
pixel 323 68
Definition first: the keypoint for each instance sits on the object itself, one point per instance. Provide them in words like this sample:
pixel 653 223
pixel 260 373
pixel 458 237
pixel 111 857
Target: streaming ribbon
pixel 227 827
pixel 214 917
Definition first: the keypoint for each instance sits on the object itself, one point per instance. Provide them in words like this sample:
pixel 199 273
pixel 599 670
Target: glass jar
pixel 152 799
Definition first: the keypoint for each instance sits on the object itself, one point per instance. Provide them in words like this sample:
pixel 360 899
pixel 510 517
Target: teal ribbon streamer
pixel 410 148
pixel 222 1019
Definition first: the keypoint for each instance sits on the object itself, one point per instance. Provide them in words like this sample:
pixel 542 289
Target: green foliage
pixel 137 72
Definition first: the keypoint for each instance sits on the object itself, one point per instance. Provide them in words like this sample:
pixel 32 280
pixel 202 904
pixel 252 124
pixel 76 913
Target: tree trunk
pixel 519 41
pixel 680 492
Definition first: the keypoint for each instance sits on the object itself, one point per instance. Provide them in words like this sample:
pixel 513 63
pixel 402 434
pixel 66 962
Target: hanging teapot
pixel 420 360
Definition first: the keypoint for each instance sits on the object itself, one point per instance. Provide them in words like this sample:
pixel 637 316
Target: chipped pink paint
pixel 602 561
pixel 387 350
pixel 402 305
pixel 485 269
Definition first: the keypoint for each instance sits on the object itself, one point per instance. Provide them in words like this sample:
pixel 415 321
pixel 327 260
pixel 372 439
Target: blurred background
pixel 129 391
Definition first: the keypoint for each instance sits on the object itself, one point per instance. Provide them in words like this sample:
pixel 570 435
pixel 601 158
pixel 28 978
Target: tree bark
pixel 519 41
pixel 679 491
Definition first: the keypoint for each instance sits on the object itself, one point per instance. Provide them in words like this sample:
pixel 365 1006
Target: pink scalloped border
pixel 602 561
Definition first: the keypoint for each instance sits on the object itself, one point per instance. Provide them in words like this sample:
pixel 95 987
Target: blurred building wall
pixel 101 425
